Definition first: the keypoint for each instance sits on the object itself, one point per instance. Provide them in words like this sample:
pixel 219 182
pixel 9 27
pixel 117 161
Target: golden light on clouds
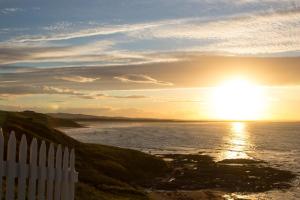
pixel 238 99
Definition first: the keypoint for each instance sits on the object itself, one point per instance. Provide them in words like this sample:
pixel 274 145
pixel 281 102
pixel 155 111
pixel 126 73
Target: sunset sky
pixel 149 58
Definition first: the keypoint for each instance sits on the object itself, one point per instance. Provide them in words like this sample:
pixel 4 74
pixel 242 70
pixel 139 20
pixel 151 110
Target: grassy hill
pixel 104 172
pixel 83 117
pixel 49 120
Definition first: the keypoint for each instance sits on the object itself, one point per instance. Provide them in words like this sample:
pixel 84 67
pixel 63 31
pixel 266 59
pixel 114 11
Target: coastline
pixel 187 195
pixel 214 189
pixel 197 176
pixel 194 172
pixel 110 172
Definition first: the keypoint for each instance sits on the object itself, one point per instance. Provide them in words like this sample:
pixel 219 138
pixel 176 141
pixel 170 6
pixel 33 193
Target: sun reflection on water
pixel 238 127
pixel 237 141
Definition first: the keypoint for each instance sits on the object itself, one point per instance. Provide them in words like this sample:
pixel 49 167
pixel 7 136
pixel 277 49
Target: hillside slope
pixel 104 172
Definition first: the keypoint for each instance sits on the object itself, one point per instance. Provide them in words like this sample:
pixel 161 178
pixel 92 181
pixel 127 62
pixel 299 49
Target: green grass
pixel 105 172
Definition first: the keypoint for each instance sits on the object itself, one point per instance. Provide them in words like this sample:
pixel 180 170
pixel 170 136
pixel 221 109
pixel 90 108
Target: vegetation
pixel 104 172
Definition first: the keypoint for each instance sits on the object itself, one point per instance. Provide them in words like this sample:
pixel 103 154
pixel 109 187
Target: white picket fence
pixel 36 179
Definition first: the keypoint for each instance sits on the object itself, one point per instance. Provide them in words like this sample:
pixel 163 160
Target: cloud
pixel 77 79
pixel 5 97
pixel 6 11
pixel 59 26
pixel 130 97
pixel 192 70
pixel 270 32
pixel 57 90
pixel 14 53
pixel 4 82
pixel 88 32
pixel 140 78
pixel 92 96
pixel 256 33
pixel 8 91
pixel 90 54
pixel 101 96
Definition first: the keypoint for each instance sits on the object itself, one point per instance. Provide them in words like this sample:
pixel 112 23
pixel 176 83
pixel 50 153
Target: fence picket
pixel 64 192
pixel 11 166
pixel 57 189
pixel 42 170
pixel 59 174
pixel 1 160
pixel 50 167
pixel 33 170
pixel 22 168
pixel 72 175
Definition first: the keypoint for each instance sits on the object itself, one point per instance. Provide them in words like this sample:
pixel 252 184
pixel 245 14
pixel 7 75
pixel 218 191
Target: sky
pixel 147 58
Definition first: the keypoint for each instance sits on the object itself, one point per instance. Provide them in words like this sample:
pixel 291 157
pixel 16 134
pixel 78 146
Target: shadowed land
pixel 121 174
pixel 195 172
pixel 194 177
pixel 104 172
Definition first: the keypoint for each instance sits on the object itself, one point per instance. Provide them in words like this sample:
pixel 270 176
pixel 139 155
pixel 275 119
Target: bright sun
pixel 238 99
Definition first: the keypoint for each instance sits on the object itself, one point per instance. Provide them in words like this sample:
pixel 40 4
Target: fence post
pixel 33 170
pixel 57 182
pixel 50 178
pixel 65 192
pixel 1 160
pixel 22 168
pixel 42 170
pixel 11 166
pixel 72 175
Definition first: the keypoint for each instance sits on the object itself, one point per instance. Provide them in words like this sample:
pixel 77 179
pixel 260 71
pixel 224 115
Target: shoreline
pixel 216 186
pixel 197 176
pixel 168 189
pixel 187 195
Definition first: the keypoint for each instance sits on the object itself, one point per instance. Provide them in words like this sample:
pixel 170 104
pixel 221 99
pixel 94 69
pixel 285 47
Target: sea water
pixel 275 142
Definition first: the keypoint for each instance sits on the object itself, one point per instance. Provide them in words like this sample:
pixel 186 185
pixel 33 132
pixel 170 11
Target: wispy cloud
pixel 8 91
pixel 3 82
pixel 6 11
pixel 140 78
pixel 130 97
pixel 90 54
pixel 194 70
pixel 57 90
pixel 101 96
pixel 15 53
pixel 59 26
pixel 89 32
pixel 269 32
pixel 78 79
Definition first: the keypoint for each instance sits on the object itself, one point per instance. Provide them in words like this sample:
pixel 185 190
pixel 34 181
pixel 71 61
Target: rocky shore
pixel 200 177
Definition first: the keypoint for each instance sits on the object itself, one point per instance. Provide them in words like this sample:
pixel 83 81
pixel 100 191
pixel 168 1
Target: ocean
pixel 278 143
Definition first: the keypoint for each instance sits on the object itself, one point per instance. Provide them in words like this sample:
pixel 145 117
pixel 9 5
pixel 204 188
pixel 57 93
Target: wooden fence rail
pixel 48 175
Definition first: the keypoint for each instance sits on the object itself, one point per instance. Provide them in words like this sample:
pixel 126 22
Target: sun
pixel 238 99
